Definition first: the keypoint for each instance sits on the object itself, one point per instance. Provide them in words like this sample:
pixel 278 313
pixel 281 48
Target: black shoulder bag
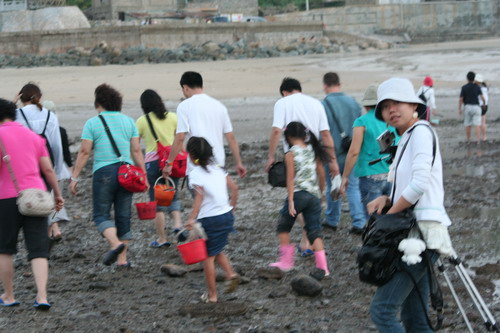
pixel 345 144
pixel 47 143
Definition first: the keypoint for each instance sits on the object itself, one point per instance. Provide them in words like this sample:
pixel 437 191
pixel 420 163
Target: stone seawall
pixel 428 18
pixel 165 36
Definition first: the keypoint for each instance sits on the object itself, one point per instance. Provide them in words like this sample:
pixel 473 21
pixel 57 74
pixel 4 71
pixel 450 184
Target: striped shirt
pixel 123 130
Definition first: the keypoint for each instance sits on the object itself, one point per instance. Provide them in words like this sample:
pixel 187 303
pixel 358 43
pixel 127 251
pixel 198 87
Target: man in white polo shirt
pixel 203 116
pixel 296 106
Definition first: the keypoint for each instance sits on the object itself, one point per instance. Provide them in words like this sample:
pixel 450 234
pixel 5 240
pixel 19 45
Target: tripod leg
pixel 488 318
pixel 481 306
pixel 455 296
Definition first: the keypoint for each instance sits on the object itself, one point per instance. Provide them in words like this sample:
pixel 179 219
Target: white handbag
pixel 33 201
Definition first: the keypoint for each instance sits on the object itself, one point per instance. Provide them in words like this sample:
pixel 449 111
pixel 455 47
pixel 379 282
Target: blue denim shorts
pixel 154 173
pixel 217 229
pixel 310 206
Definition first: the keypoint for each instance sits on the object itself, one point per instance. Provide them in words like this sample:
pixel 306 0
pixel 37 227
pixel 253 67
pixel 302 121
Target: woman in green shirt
pixel 364 148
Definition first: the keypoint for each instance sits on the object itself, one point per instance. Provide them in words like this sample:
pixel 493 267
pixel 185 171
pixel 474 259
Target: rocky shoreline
pixel 90 297
pixel 103 54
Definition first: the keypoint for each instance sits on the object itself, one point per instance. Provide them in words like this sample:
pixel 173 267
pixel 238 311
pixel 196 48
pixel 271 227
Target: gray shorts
pixel 472 115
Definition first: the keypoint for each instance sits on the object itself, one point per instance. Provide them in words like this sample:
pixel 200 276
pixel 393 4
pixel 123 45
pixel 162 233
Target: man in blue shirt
pixel 341 111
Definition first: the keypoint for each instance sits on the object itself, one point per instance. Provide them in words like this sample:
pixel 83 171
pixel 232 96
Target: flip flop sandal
pixel 305 253
pixel 204 299
pixel 125 266
pixel 156 245
pixel 8 305
pixel 112 255
pixel 42 306
pixel 232 284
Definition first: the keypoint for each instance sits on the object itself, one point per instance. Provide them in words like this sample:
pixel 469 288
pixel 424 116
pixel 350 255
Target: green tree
pixel 82 4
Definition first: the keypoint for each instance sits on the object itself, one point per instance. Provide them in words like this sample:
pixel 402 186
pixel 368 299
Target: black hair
pixel 152 102
pixel 331 79
pixel 192 80
pixel 31 93
pixel 108 98
pixel 200 151
pixel 7 110
pixel 289 84
pixel 296 129
pixel 471 76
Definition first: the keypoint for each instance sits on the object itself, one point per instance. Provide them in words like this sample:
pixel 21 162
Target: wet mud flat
pixel 90 297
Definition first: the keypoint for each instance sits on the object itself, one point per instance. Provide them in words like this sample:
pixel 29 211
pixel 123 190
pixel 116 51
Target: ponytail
pixel 200 151
pixel 31 93
pixel 152 102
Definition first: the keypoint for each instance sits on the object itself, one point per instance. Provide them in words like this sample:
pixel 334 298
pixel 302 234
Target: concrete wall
pixel 429 17
pixel 109 9
pixel 156 36
pixel 245 7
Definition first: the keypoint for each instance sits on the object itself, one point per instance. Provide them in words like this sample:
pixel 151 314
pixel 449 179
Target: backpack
pixel 422 95
pixel 47 144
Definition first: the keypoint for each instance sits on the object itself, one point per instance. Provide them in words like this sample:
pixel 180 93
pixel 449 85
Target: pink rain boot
pixel 286 261
pixel 321 263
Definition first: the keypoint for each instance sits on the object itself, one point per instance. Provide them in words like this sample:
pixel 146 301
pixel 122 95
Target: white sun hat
pixel 400 90
pixel 479 78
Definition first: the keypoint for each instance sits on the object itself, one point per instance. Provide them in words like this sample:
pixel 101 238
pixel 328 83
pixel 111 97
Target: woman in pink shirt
pixel 28 157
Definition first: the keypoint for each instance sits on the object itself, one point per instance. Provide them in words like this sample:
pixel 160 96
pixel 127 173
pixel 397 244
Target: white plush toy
pixel 412 247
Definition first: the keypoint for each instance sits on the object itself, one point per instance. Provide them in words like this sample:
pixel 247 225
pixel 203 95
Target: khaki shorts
pixel 472 115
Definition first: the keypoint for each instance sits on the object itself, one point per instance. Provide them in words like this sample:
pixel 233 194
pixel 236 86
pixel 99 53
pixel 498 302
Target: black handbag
pixel 379 256
pixel 277 175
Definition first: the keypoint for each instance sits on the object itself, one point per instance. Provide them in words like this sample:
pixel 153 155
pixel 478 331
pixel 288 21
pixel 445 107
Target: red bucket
pixel 193 252
pixel 146 210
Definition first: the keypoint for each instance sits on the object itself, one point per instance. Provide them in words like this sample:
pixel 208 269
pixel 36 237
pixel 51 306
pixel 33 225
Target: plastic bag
pixel 335 192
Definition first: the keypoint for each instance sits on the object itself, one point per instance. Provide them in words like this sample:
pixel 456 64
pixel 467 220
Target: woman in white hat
pixel 483 104
pixel 417 179
pixel 364 149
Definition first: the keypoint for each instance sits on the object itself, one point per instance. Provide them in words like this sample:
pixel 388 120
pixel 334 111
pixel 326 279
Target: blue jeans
pixel 371 189
pixel 107 192
pixel 153 171
pixel 400 294
pixel 333 208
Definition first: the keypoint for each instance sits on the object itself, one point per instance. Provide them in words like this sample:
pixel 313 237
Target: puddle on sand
pixel 468 170
pixel 477 212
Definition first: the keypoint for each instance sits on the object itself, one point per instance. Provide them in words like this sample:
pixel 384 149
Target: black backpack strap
pixel 25 119
pixel 150 123
pixel 108 132
pixel 46 123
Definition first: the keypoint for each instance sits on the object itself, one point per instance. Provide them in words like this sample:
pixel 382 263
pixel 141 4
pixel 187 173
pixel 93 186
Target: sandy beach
pixel 249 88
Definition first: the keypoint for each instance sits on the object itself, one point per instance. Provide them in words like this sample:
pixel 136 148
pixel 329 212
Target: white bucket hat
pixel 401 90
pixel 479 78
